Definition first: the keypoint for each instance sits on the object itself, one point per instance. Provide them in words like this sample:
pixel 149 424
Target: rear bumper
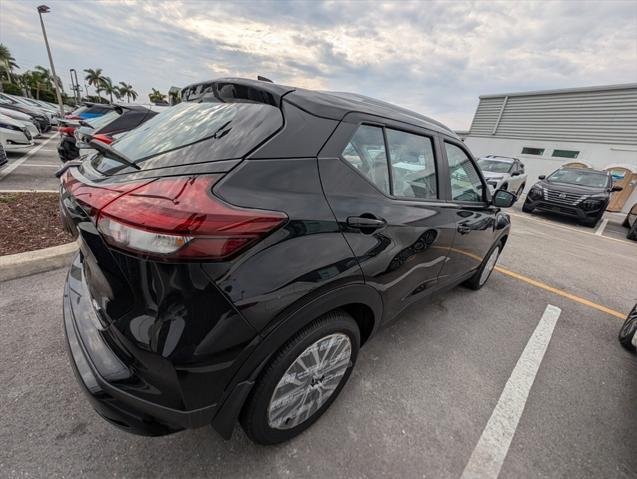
pixel 117 406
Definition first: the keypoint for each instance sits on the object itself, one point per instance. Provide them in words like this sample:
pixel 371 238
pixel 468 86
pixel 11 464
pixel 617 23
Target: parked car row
pixel 98 122
pixel 579 193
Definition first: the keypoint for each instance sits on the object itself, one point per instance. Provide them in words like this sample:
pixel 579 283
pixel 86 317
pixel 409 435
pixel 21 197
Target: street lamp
pixel 75 86
pixel 44 9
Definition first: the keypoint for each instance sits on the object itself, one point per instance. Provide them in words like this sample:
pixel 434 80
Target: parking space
pixel 33 169
pixel 419 400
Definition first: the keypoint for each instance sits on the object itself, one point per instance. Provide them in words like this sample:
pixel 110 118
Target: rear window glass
pixel 100 121
pixel 213 131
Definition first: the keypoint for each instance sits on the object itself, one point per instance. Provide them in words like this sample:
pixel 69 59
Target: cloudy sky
pixel 433 57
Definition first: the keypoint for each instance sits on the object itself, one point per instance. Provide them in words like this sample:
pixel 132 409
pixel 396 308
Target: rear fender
pixel 271 340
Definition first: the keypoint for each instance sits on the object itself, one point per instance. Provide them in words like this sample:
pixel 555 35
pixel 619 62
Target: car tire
pixel 265 417
pixel 520 190
pixel 591 223
pixel 629 330
pixel 632 233
pixel 526 209
pixel 625 223
pixel 483 273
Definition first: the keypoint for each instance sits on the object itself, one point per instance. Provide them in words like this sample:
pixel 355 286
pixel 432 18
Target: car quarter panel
pixel 302 260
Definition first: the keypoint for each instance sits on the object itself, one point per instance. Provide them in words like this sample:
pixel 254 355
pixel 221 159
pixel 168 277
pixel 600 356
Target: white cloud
pixel 434 57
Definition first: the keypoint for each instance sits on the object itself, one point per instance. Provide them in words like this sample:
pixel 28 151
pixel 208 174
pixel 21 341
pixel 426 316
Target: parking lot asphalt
pixel 33 169
pixel 418 402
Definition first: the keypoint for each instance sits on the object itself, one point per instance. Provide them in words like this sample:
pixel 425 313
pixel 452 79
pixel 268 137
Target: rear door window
pixel 413 165
pixel 366 153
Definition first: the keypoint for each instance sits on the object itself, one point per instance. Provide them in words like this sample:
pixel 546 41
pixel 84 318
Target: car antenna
pixel 260 78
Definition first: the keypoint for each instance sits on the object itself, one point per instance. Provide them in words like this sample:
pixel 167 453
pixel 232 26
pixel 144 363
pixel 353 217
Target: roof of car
pixel 325 104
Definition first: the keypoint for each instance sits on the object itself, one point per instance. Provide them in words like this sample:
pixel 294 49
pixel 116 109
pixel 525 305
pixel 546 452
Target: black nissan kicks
pixel 239 248
pixel 579 193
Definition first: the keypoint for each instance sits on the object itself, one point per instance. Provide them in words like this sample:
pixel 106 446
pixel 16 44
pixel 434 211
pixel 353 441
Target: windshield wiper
pixel 113 154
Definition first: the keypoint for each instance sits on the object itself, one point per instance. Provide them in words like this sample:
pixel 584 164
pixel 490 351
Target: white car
pixel 22 118
pixel 13 135
pixel 25 102
pixel 503 173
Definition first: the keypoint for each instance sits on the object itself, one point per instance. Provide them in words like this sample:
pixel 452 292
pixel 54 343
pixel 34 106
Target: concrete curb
pixel 31 262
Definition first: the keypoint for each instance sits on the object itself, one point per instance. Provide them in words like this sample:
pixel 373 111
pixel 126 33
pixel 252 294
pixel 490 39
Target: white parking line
pixel 600 229
pixel 550 224
pixel 8 169
pixel 41 165
pixel 488 456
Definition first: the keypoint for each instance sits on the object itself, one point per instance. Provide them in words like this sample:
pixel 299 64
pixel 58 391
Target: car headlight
pixel 535 192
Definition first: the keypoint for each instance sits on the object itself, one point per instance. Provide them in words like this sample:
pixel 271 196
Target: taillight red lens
pixel 95 197
pixel 179 218
pixel 103 138
pixel 66 130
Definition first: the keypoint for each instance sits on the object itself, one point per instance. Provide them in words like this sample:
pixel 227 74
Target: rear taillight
pixel 103 138
pixel 173 218
pixel 66 130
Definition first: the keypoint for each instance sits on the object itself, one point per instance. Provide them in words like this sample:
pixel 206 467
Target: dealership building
pixel 593 127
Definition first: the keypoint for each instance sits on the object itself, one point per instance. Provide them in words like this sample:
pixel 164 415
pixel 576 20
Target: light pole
pixel 44 9
pixel 75 85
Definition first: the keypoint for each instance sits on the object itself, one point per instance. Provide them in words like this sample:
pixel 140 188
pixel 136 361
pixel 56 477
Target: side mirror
pixel 515 173
pixel 503 199
pixel 617 188
pixel 541 177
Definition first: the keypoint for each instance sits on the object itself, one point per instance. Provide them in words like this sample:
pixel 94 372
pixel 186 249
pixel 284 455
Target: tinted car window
pixel 413 165
pixel 230 130
pixel 495 166
pixel 465 180
pixel 100 121
pixel 580 177
pixel 366 152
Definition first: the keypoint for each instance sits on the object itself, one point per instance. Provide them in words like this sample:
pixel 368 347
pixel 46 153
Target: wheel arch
pixel 360 301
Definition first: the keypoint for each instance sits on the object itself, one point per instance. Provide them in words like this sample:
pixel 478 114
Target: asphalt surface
pixel 421 394
pixel 36 169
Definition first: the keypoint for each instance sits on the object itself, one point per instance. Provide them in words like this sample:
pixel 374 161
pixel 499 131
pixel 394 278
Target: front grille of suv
pixel 561 197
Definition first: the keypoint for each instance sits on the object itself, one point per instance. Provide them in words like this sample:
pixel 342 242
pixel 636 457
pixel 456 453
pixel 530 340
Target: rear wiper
pixel 109 152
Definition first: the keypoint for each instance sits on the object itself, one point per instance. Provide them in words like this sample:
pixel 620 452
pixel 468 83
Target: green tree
pixel 156 96
pixel 7 63
pixel 109 88
pixel 126 90
pixel 94 77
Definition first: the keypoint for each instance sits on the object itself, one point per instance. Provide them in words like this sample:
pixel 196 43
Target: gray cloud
pixel 434 57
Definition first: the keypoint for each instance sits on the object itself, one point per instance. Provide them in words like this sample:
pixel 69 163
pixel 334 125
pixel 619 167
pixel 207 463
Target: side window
pixel 465 180
pixel 366 152
pixel 413 165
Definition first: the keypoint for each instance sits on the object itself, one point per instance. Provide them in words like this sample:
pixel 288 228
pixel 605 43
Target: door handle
pixel 366 222
pixel 463 230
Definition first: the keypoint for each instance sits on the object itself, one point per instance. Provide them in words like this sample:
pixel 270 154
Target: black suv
pixel 237 249
pixel 580 193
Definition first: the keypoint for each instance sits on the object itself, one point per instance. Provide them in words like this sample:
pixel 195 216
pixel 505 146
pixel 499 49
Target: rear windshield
pixel 495 166
pixel 100 121
pixel 580 177
pixel 223 130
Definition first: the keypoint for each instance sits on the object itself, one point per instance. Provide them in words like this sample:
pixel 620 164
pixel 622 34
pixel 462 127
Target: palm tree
pixel 156 96
pixel 94 78
pixel 108 88
pixel 126 90
pixel 7 62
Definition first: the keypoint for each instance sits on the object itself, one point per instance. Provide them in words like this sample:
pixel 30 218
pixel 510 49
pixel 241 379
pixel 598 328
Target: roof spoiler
pixel 228 90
